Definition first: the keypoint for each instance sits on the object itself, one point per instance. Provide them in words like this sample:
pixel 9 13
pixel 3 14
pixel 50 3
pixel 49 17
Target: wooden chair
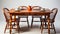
pixel 44 17
pixel 23 8
pixel 7 18
pixel 35 8
pixel 52 20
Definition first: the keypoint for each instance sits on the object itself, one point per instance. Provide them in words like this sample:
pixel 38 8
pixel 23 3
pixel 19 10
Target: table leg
pixel 48 24
pixel 27 22
pixel 17 21
pixel 18 27
pixel 10 23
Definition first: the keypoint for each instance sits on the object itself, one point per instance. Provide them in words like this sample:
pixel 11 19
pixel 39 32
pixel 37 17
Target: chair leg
pixel 54 28
pixel 5 28
pixel 42 27
pixel 18 26
pixel 28 22
pixel 14 24
pixel 45 21
pixel 45 24
pixel 32 23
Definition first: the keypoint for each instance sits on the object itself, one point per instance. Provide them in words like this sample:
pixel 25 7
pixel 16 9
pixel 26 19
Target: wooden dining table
pixel 32 13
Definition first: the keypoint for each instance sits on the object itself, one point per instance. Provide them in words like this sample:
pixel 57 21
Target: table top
pixel 33 12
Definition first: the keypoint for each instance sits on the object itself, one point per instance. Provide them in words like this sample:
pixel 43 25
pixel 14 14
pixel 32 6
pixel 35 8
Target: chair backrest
pixel 36 8
pixel 6 14
pixel 53 15
pixel 23 7
pixel 47 9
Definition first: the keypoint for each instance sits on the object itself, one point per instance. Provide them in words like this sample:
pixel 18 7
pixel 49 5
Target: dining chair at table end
pixel 52 20
pixel 13 21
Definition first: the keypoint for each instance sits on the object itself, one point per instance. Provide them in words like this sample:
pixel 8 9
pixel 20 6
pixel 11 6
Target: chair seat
pixel 46 20
pixel 36 16
pixel 23 16
pixel 14 20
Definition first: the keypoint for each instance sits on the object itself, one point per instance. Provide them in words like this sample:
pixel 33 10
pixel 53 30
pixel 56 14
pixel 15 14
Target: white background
pixel 43 3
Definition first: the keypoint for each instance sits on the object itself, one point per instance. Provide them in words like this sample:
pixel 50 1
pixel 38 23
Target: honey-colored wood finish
pixel 32 13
